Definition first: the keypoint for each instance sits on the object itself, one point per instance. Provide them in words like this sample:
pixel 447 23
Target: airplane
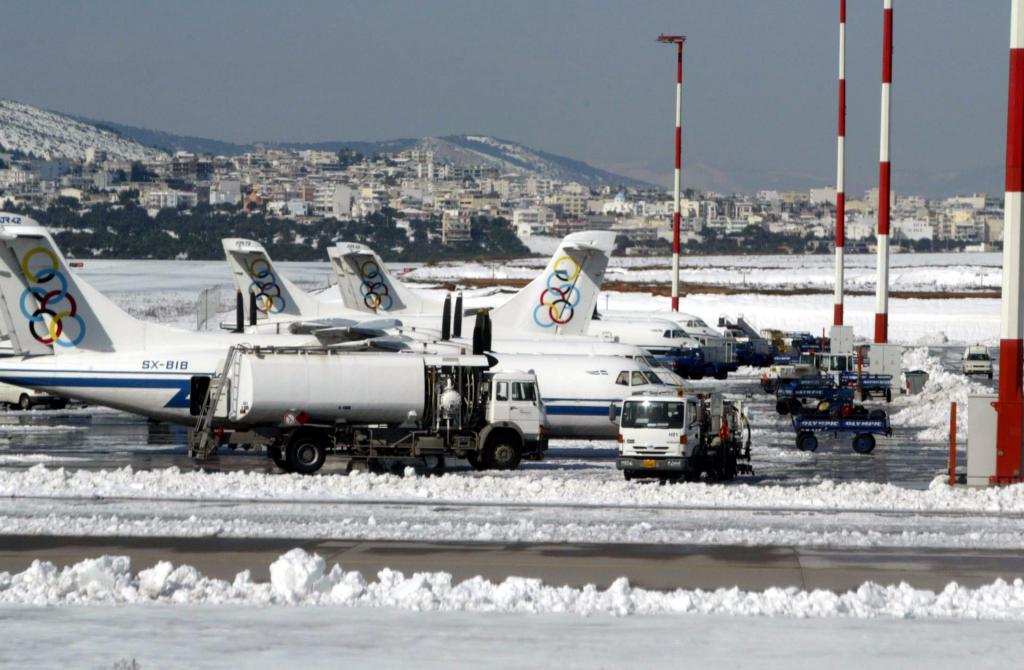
pixel 71 340
pixel 382 293
pixel 536 320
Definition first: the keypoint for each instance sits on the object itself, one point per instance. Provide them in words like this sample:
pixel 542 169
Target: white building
pixel 535 220
pixel 824 195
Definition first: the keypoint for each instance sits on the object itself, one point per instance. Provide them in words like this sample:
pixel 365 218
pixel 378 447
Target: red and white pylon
pixel 840 170
pixel 1010 408
pixel 678 41
pixel 882 289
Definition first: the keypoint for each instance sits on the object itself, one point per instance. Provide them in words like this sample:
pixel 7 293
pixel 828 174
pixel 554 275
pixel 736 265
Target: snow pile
pixel 526 487
pixel 930 408
pixel 299 578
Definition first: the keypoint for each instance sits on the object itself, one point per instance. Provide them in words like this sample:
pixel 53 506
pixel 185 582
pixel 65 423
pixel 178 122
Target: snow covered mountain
pixel 43 134
pixel 464 150
pixel 51 135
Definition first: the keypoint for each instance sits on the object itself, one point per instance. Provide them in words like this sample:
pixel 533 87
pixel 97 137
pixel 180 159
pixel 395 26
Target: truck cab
pixel 515 399
pixel 977 361
pixel 671 436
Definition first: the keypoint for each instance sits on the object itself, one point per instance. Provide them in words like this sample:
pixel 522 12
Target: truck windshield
pixel 652 415
pixel 977 357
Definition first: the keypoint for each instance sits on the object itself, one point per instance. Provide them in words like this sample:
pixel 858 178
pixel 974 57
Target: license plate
pixel 650 463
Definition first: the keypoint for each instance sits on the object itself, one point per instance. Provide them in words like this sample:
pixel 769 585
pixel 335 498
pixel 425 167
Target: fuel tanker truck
pixel 380 410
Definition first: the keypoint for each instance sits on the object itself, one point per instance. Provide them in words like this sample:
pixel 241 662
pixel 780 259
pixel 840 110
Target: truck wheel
pixel 307 451
pixel 721 374
pixel 280 461
pixel 433 464
pixel 627 475
pixel 796 408
pixel 864 443
pixel 475 461
pixel 782 407
pixel 888 395
pixel 59 403
pixel 502 452
pixel 24 402
pixel 990 374
pixel 806 441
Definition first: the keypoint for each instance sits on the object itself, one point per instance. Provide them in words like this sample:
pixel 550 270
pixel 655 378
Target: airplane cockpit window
pixel 622 379
pixel 638 379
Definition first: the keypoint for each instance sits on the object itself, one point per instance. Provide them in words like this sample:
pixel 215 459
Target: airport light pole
pixel 1010 408
pixel 678 41
pixel 837 310
pixel 884 189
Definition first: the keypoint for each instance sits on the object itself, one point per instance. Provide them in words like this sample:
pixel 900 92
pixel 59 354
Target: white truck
pixel 672 437
pixel 381 410
pixel 977 361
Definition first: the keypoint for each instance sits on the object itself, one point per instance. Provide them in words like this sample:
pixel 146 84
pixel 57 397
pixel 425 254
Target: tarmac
pixel 651 566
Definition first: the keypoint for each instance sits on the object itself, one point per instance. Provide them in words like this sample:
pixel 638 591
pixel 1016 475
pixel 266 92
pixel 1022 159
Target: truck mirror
pixel 611 413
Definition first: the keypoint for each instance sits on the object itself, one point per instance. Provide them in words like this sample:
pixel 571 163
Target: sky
pixel 585 79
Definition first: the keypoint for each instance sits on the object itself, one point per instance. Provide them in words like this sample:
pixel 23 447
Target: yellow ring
pixel 576 267
pixel 32 252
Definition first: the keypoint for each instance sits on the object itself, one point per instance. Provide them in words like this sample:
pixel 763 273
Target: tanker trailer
pixel 302 404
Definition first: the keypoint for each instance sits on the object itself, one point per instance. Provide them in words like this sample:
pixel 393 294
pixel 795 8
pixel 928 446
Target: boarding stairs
pixel 203 442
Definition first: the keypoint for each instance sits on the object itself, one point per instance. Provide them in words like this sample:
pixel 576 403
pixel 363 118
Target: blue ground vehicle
pixel 864 429
pixel 870 385
pixel 823 392
pixel 687 363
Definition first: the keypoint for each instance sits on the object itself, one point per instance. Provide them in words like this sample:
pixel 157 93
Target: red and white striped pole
pixel 882 289
pixel 1010 408
pixel 840 170
pixel 678 41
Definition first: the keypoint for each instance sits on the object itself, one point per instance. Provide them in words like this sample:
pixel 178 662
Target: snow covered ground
pixel 219 636
pixel 166 291
pixel 106 613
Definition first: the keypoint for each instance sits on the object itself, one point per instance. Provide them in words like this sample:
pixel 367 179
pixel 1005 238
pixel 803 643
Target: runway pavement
pixel 650 566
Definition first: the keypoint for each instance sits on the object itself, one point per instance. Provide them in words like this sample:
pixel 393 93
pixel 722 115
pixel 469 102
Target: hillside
pixel 505 155
pixel 44 134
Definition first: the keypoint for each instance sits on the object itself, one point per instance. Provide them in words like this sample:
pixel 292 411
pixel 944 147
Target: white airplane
pixel 546 317
pixel 560 301
pixel 70 340
pixel 366 284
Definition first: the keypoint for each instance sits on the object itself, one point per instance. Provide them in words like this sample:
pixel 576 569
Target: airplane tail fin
pixel 563 297
pixel 47 309
pixel 254 274
pixel 367 285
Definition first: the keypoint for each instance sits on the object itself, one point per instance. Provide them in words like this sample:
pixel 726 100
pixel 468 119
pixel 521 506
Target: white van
pixel 23 398
pixel 976 361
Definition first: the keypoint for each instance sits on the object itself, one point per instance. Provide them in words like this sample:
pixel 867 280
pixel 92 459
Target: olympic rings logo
pixel 559 300
pixel 375 292
pixel 264 287
pixel 65 328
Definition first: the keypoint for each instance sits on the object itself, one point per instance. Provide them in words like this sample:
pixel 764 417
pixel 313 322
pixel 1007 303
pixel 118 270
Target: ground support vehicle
pixel 25 399
pixel 383 411
pixel 823 393
pixel 687 363
pixel 752 348
pixel 672 437
pixel 863 429
pixel 868 385
pixel 782 372
pixel 977 361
